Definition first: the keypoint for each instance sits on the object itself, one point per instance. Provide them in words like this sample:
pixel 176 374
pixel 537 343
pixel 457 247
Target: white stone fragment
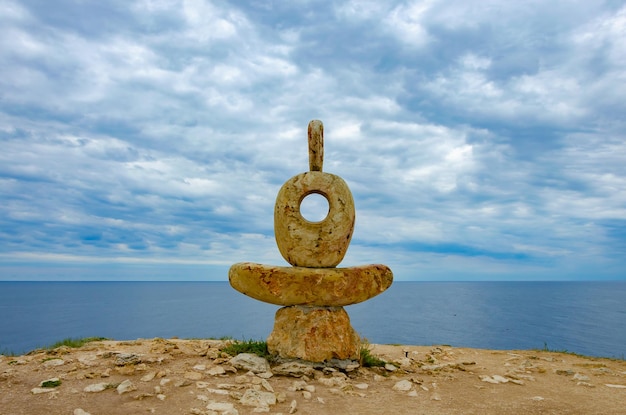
pixel 266 385
pixel 219 406
pixel 181 383
pixel 615 386
pixel 251 362
pixel 293 407
pixel 391 368
pixel 127 359
pixel 297 385
pixel 79 411
pixel 193 375
pixel 487 379
pixel 404 362
pixel 257 398
pixel 164 381
pixel 88 360
pixel 580 377
pixel 281 397
pixel 37 391
pixel 403 386
pixel 217 391
pixel 53 362
pixel 216 370
pixel 96 387
pixel 148 376
pixel 125 387
pixel 333 382
pixel 495 379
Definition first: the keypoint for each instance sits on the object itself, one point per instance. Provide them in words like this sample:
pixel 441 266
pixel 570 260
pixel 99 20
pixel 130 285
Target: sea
pixel 581 317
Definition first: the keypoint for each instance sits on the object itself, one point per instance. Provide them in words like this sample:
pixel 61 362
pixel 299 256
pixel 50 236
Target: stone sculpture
pixel 312 325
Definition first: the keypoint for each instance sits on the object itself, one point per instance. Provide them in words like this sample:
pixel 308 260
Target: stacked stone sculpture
pixel 312 325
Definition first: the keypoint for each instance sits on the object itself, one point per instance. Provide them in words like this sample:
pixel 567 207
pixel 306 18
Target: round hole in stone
pixel 314 207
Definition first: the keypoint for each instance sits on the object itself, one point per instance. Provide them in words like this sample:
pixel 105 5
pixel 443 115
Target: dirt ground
pixel 176 376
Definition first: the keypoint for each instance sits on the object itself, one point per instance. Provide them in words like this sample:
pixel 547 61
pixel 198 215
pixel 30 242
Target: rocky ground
pixel 194 377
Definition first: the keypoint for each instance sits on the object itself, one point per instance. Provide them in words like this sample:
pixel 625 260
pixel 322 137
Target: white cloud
pixel 361 10
pixel 605 32
pixel 13 12
pixel 407 22
pixel 480 134
pixel 207 22
pixel 547 96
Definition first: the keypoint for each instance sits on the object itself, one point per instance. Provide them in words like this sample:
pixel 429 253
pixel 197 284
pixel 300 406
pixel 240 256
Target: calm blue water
pixel 583 317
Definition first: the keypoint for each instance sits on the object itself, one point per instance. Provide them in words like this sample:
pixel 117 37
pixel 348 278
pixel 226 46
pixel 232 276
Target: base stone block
pixel 315 334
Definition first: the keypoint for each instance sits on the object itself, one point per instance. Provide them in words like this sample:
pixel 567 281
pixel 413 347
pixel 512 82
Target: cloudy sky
pixel 146 140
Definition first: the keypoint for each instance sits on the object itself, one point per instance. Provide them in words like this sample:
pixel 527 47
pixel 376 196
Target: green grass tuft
pixel 68 342
pixel 75 342
pixel 50 383
pixel 366 358
pixel 7 352
pixel 258 347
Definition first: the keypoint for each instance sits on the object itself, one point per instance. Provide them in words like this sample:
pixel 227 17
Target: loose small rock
pixel 251 362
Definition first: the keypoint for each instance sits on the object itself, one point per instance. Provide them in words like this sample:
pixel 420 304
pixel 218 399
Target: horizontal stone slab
pixel 332 287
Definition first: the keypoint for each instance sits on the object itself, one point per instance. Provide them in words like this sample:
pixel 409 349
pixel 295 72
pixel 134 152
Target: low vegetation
pixel 235 347
pixel 565 351
pixel 52 383
pixel 258 347
pixel 366 358
pixel 74 342
pixel 68 342
pixel 7 352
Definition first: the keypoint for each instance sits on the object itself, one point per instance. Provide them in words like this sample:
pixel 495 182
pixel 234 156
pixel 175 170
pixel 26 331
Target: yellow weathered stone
pixel 332 287
pixel 316 145
pixel 314 326
pixel 314 244
pixel 316 334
